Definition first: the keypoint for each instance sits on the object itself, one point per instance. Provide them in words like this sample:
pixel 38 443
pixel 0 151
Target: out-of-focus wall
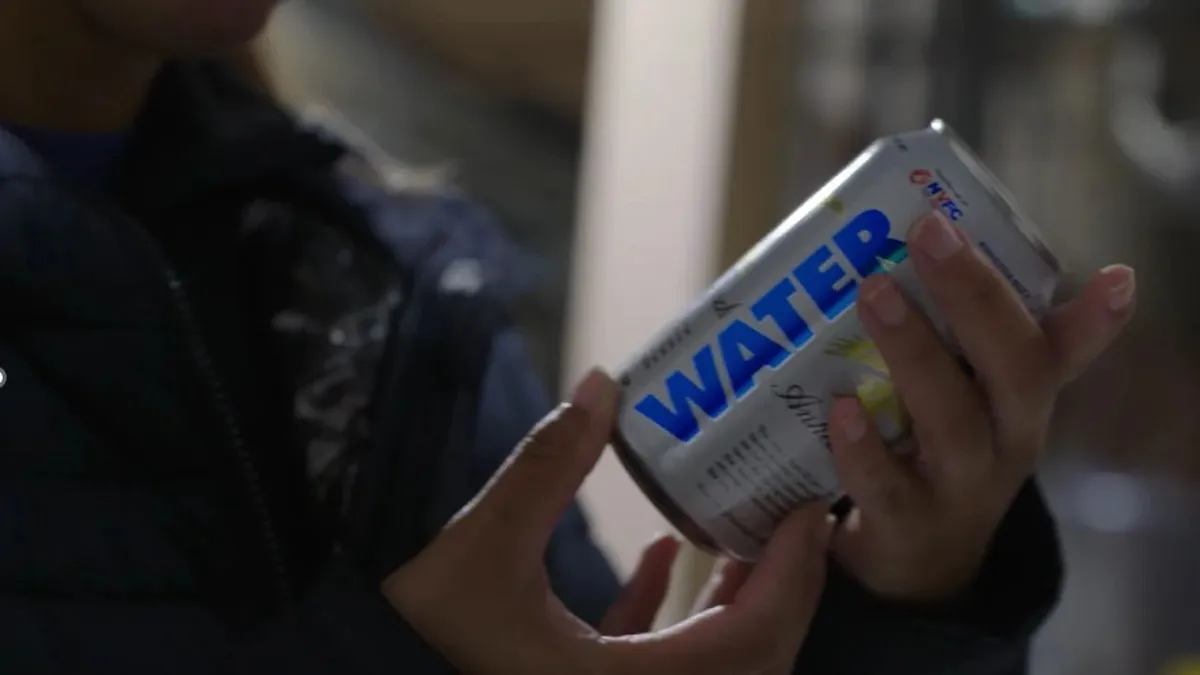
pixel 652 203
pixel 532 49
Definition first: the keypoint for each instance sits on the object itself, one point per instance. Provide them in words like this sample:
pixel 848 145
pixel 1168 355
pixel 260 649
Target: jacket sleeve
pixel 514 396
pixel 986 632
pixel 338 628
pixel 95 575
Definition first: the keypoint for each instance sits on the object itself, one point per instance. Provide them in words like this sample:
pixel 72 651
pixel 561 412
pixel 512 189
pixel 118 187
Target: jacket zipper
pixel 413 476
pixel 371 498
pixel 251 481
pixel 202 359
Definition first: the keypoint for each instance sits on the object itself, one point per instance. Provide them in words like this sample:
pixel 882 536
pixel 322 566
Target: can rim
pixel 1000 195
pixel 654 491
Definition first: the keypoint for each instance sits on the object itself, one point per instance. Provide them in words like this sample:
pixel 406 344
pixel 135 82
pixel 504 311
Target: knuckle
pixel 876 471
pixel 1022 446
pixel 1025 406
pixel 893 495
pixel 548 424
pixel 502 517
pixel 1031 365
pixel 981 286
pixel 919 346
pixel 769 649
pixel 963 424
pixel 539 448
pixel 865 472
pixel 563 427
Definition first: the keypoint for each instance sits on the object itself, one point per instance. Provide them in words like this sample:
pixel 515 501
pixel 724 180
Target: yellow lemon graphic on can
pixel 1188 665
pixel 873 388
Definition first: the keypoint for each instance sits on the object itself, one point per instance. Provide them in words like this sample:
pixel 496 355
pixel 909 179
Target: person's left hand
pixel 642 596
pixel 923 520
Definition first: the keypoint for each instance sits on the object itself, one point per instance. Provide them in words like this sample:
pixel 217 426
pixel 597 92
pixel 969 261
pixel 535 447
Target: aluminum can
pixel 723 420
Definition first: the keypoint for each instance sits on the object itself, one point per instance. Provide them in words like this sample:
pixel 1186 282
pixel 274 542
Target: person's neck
pixel 58 72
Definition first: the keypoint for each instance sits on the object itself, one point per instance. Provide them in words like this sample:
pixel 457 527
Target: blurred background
pixel 637 148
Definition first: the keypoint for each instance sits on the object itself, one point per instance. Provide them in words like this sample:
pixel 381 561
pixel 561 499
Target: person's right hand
pixel 479 593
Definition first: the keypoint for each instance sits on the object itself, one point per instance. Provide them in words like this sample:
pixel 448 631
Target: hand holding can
pixel 479 592
pixel 923 517
pixel 773 393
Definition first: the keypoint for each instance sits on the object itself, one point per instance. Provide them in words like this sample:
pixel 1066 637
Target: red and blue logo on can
pixel 937 194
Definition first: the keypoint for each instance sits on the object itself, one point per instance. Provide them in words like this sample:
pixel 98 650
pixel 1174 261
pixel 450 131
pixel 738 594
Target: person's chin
pixel 222 24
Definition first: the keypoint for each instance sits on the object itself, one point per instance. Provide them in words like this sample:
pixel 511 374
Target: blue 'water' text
pixel 742 349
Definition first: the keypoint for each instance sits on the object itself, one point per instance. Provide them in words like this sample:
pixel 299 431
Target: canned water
pixel 723 420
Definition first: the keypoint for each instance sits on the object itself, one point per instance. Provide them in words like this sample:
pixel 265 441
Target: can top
pixel 999 195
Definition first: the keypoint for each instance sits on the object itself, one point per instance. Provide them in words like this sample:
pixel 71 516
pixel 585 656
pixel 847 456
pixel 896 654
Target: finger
pixel 523 502
pixel 1082 329
pixel 946 407
pixel 858 539
pixel 777 600
pixel 873 477
pixel 766 623
pixel 640 600
pixel 997 334
pixel 723 586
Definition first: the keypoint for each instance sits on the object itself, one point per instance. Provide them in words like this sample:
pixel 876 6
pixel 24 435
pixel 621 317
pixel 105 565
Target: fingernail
pixel 852 421
pixel 1123 286
pixel 887 303
pixel 936 236
pixel 660 542
pixel 661 539
pixel 591 392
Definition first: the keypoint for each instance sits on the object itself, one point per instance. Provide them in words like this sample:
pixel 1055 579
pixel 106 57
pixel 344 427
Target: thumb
pixel 762 629
pixel 639 602
pixel 525 499
pixel 723 585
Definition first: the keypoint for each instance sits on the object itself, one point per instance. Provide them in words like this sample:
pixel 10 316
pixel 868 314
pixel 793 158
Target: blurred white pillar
pixel 652 197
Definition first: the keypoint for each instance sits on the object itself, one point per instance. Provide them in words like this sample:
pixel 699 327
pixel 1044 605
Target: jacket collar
pixel 202 130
